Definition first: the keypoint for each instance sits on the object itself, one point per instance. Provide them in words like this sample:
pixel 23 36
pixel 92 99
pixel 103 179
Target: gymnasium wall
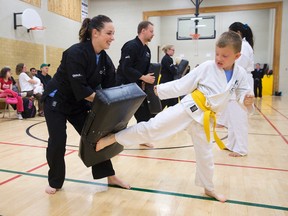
pixel 127 18
pixel 35 47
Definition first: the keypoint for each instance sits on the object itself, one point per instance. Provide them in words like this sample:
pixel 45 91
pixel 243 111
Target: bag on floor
pixel 29 108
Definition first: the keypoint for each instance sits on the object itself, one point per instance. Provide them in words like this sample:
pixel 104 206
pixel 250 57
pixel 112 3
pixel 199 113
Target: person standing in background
pixel 134 66
pixel 258 74
pixel 168 71
pixel 235 116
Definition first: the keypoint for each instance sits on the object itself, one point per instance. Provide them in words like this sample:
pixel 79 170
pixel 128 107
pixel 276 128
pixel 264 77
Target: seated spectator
pixel 6 90
pixel 38 87
pixel 27 83
pixel 43 74
pixel 14 83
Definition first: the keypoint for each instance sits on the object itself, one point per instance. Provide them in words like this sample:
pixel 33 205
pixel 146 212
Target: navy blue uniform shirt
pixel 134 62
pixel 78 76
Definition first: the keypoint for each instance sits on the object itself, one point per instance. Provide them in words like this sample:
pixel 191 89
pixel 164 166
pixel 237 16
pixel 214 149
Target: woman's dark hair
pixel 245 31
pixel 19 68
pixel 88 24
pixel 4 71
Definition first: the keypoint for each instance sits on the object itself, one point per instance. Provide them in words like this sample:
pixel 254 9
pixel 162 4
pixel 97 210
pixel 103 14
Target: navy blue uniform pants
pixel 56 122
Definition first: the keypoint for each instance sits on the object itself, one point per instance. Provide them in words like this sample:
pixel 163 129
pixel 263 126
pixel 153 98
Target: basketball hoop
pixel 30 20
pixel 195 36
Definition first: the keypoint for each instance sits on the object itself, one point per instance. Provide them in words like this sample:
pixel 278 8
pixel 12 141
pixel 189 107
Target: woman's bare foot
pixel 218 197
pixel 147 145
pixel 114 180
pixel 235 154
pixel 50 190
pixel 105 141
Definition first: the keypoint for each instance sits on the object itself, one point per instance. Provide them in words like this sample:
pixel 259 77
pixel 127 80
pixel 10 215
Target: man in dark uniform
pixel 258 74
pixel 134 65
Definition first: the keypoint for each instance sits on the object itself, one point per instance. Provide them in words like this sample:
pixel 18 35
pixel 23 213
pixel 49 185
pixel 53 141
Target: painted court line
pixel 29 171
pixel 277 111
pixel 192 161
pixel 165 159
pixel 275 128
pixel 282 208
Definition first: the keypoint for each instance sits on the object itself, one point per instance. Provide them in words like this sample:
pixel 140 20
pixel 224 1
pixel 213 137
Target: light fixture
pixel 196 18
pixel 200 26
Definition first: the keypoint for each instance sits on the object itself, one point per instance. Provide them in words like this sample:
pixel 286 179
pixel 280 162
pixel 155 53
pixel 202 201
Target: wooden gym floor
pixel 162 179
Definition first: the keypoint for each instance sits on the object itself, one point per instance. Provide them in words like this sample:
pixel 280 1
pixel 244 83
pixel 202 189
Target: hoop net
pixel 37 28
pixel 195 36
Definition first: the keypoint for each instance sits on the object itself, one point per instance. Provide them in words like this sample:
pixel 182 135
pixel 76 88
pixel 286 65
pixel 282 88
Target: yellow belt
pixel 200 100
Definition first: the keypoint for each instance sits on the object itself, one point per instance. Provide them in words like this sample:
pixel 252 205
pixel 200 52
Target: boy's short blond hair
pixel 230 38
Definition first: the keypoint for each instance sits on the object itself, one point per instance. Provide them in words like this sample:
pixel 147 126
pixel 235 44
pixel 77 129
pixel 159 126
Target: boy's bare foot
pixel 50 190
pixel 114 180
pixel 148 145
pixel 219 197
pixel 105 141
pixel 235 154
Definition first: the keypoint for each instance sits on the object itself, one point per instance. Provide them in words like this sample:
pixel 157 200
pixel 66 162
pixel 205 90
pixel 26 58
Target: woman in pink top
pixel 6 90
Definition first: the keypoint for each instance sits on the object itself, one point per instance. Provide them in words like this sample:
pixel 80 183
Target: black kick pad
pixel 154 102
pixel 181 69
pixel 111 111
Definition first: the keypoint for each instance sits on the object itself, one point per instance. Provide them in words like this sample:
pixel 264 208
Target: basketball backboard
pixel 30 19
pixel 186 26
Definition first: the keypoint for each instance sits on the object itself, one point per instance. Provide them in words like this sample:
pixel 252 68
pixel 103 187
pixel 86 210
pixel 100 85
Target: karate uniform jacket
pixel 212 82
pixel 78 76
pixel 246 60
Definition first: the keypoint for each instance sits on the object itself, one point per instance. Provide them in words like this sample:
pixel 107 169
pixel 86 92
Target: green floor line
pixel 156 191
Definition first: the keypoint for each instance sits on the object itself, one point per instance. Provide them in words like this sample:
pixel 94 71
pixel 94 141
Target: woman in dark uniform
pixel 84 67
pixel 168 71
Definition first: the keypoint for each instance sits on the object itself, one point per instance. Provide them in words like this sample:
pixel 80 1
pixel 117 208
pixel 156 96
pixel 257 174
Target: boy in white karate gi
pixel 217 80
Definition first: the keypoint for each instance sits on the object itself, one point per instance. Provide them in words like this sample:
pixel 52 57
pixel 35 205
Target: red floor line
pixel 158 158
pixel 26 145
pixel 8 180
pixel 31 170
pixel 17 144
pixel 192 161
pixel 280 134
pixel 278 111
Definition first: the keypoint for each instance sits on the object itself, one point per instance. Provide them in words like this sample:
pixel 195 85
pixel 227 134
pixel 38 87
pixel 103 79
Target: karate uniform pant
pixel 56 123
pixel 166 123
pixel 237 128
pixel 235 117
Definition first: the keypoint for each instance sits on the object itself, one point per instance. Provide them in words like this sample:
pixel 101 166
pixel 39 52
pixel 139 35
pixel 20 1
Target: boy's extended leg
pixel 164 124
